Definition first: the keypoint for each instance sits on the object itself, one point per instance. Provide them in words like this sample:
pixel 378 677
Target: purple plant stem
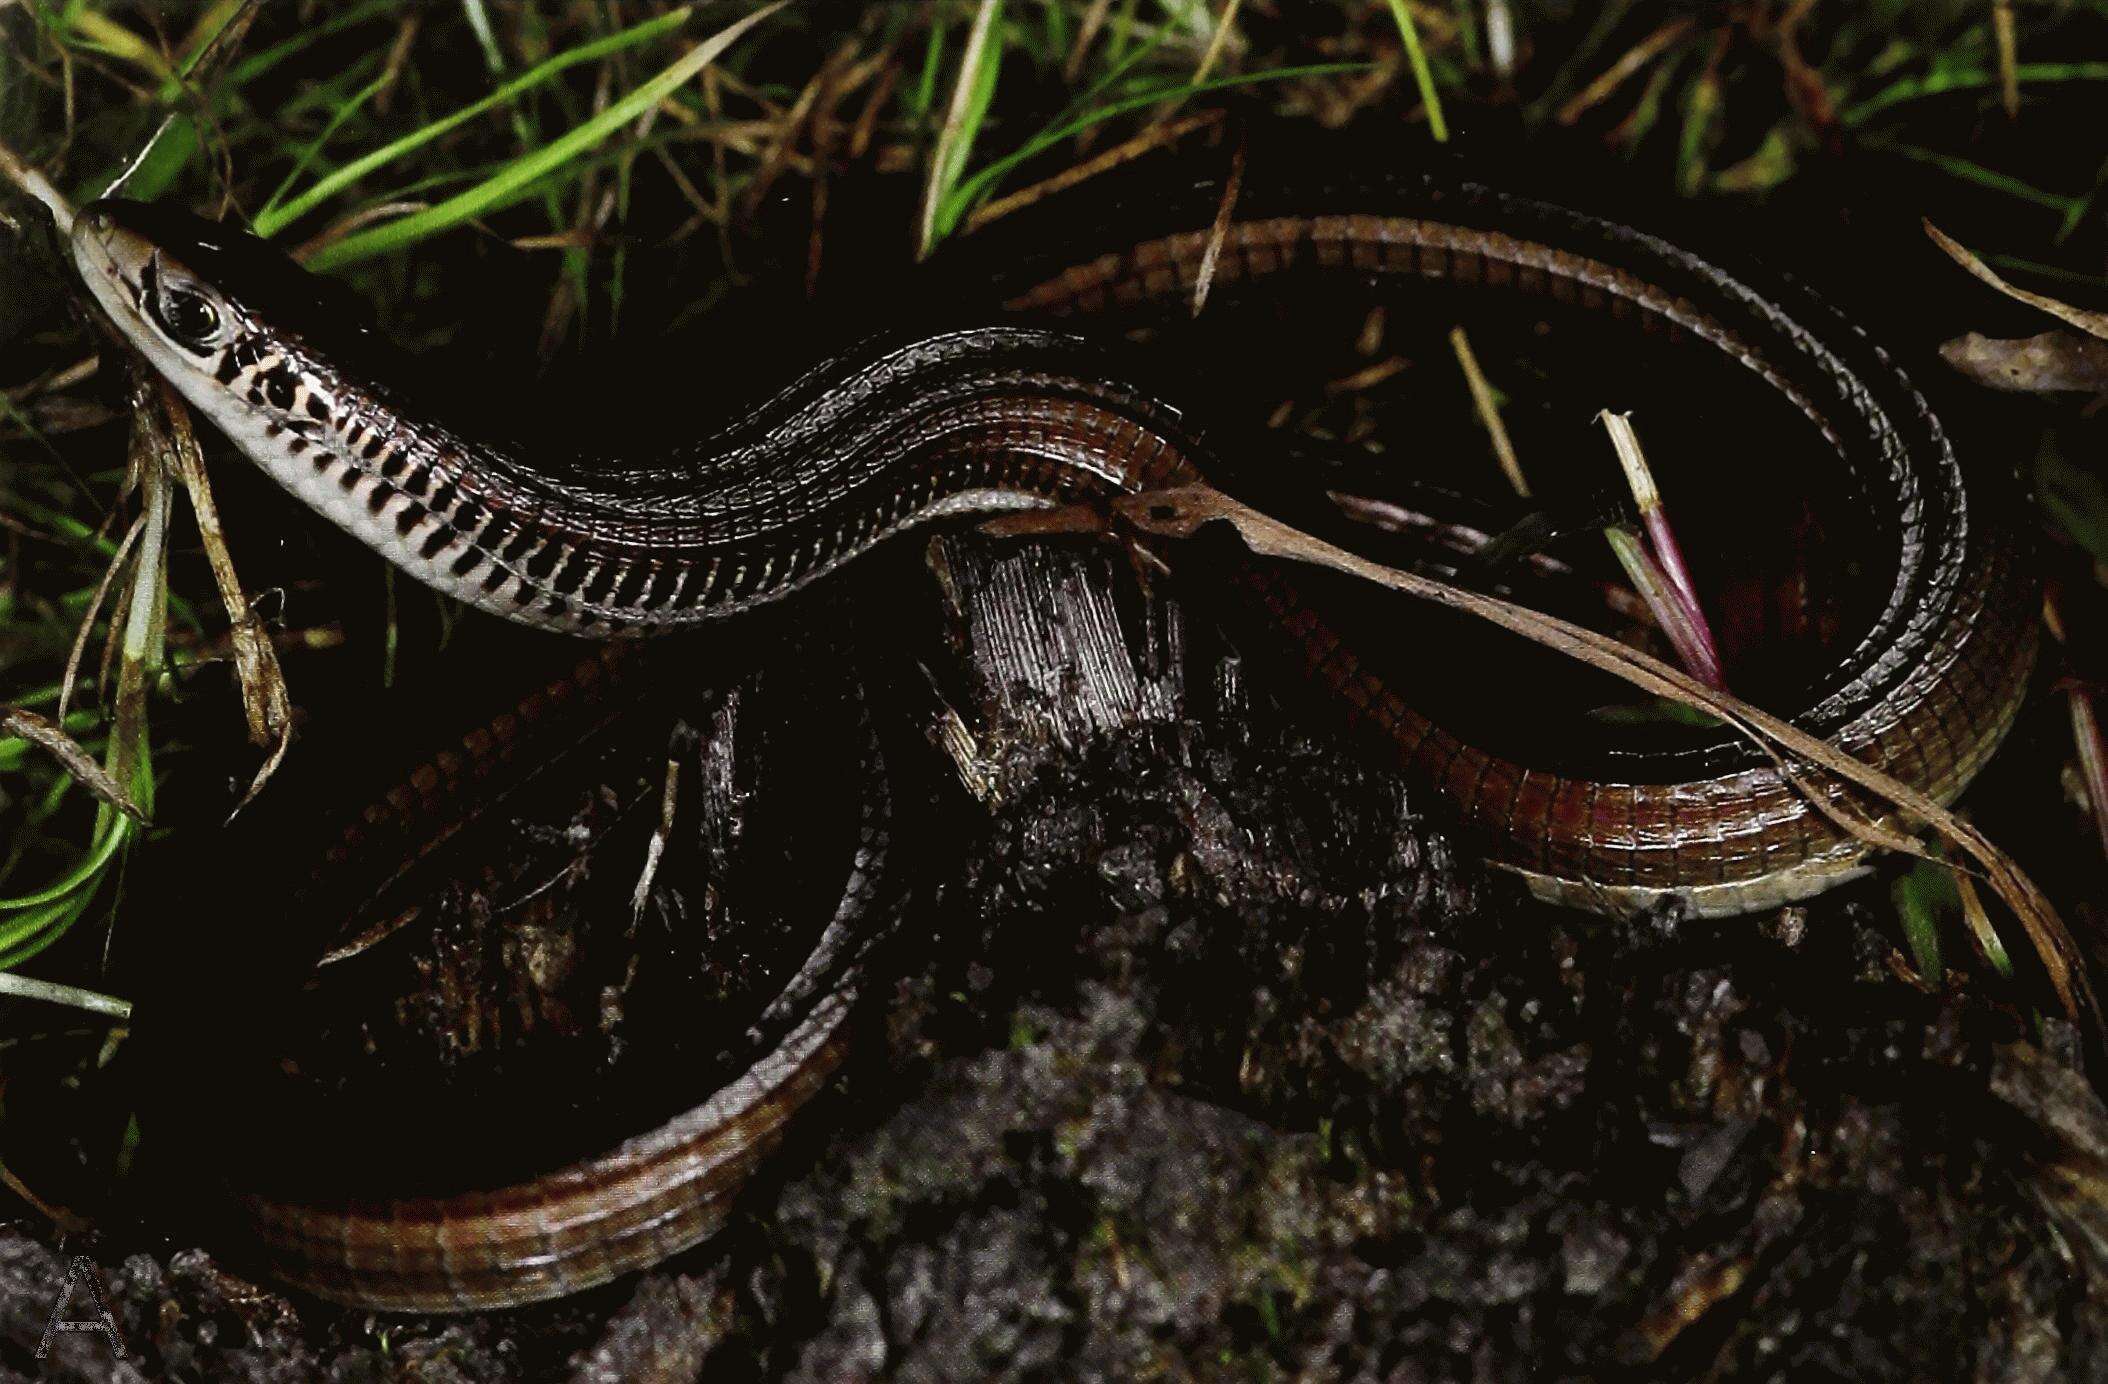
pixel 1692 648
pixel 1661 537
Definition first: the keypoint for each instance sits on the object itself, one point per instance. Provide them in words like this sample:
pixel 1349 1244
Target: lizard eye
pixel 187 316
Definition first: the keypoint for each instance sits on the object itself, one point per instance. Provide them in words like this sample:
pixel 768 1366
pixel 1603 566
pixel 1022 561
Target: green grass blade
pixel 518 176
pixel 486 37
pixel 979 62
pixel 26 936
pixel 2055 273
pixel 105 846
pixel 2075 499
pixel 255 65
pixel 270 221
pixel 1966 79
pixel 314 148
pixel 1968 172
pixel 1422 77
pixel 1920 898
pixel 1123 63
pixel 922 97
pixel 972 187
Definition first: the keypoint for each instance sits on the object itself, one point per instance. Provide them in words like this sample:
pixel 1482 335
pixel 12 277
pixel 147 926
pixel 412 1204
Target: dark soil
pixel 1208 1055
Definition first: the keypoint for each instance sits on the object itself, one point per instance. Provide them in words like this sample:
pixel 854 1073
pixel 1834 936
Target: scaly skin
pixel 889 436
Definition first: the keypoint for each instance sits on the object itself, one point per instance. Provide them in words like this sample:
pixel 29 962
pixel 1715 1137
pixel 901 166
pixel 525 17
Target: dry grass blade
pixel 1980 929
pixel 1179 513
pixel 220 50
pixel 95 604
pixel 1488 409
pixel 140 639
pixel 1635 58
pixel 50 736
pixel 58 1215
pixel 2092 323
pixel 2092 746
pixel 79 372
pixel 793 126
pixel 380 930
pixel 1155 137
pixel 655 849
pixel 1086 33
pixel 2008 36
pixel 1225 25
pixel 265 701
pixel 1211 253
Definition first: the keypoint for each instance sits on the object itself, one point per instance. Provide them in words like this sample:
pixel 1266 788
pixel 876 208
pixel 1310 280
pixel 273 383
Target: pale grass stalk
pixel 1489 412
pixel 950 153
pixel 1661 536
